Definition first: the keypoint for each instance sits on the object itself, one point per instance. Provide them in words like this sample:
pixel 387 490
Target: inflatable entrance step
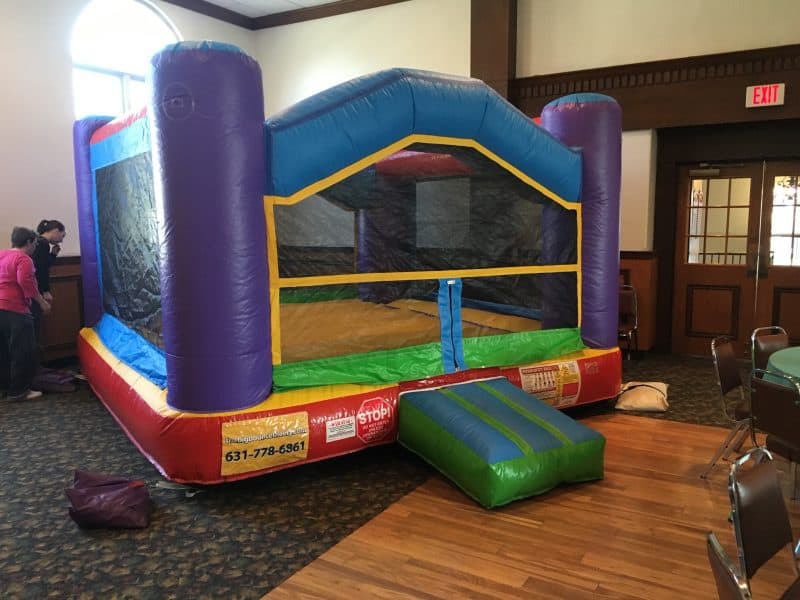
pixel 497 442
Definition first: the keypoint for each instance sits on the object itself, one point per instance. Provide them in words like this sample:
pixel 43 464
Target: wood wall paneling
pixel 712 310
pixel 640 269
pixel 785 304
pixel 59 334
pixel 697 90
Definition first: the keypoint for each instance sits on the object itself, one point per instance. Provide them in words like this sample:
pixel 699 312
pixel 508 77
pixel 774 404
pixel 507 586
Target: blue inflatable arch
pixel 333 130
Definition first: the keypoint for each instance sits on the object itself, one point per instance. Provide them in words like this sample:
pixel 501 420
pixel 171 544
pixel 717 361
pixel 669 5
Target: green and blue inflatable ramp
pixel 496 442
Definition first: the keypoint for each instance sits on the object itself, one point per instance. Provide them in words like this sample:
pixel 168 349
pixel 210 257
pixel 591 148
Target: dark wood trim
pixel 68 260
pixel 319 12
pixel 58 338
pixel 288 17
pixel 777 296
pixel 215 12
pixel 493 42
pixel 636 255
pixel 695 90
pixel 733 328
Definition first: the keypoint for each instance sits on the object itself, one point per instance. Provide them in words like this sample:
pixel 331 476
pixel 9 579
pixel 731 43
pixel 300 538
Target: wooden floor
pixel 639 533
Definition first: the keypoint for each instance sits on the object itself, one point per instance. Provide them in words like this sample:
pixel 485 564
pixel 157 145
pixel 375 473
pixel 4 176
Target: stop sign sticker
pixel 374 420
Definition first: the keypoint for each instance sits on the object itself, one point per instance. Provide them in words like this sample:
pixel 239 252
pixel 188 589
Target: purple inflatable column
pixel 207 120
pixel 82 133
pixel 593 122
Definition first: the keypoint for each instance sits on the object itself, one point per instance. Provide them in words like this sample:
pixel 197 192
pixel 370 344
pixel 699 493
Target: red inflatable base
pixel 589 376
pixel 293 428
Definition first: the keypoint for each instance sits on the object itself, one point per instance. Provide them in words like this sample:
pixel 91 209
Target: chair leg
pixel 794 496
pixel 736 445
pixel 727 446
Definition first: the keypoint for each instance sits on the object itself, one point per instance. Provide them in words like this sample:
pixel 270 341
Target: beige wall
pixel 301 59
pixel 637 196
pixel 554 36
pixel 36 112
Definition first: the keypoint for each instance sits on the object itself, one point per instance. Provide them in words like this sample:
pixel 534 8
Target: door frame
pixel 765 140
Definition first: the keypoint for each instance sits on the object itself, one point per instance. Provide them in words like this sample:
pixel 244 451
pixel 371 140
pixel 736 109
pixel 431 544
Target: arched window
pixel 112 42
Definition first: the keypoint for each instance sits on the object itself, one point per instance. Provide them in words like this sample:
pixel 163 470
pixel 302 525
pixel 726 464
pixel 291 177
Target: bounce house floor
pixel 339 327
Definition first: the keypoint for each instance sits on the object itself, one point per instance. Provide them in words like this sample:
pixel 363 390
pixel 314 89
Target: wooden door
pixel 778 282
pixel 716 251
pixel 737 254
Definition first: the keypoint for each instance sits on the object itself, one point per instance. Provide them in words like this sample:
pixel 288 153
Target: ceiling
pixel 260 8
pixel 261 14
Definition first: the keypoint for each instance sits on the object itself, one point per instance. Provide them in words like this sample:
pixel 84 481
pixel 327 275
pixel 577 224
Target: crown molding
pixel 283 18
pixel 677 92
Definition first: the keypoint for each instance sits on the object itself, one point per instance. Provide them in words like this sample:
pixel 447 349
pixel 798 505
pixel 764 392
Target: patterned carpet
pixel 693 393
pixel 233 541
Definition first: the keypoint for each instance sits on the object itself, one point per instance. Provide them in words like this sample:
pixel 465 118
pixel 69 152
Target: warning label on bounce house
pixel 558 384
pixel 374 420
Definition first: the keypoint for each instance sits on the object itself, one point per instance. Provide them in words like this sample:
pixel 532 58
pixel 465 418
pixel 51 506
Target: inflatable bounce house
pixel 261 294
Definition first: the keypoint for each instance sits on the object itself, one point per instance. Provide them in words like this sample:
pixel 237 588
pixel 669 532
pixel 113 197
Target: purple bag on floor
pixel 107 501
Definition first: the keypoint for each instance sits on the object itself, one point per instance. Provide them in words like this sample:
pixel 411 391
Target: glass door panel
pixel 719 216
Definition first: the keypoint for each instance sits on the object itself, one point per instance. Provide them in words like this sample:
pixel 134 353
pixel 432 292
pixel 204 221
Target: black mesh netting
pixel 128 245
pixel 446 207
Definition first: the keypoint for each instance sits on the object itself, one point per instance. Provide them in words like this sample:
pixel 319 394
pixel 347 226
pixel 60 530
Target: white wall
pixel 301 59
pixel 554 36
pixel 36 112
pixel 637 196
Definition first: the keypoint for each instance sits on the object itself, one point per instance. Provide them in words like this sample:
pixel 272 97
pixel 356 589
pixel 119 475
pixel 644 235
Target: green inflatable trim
pixel 520 348
pixel 418 362
pixel 500 483
pixel 318 294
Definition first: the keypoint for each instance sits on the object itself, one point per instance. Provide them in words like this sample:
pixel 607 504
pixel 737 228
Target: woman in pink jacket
pixel 17 338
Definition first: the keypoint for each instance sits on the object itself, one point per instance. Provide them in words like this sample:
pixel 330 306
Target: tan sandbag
pixel 644 396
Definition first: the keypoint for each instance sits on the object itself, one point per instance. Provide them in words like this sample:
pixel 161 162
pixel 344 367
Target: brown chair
pixel 760 520
pixel 764 341
pixel 726 575
pixel 628 323
pixel 775 407
pixel 737 409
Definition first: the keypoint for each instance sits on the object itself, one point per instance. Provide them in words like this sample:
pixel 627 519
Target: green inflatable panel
pixel 496 442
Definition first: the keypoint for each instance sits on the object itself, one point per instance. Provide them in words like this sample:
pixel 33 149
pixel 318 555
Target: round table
pixel 786 361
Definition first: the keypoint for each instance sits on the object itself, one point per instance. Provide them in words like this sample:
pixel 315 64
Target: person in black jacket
pixel 50 235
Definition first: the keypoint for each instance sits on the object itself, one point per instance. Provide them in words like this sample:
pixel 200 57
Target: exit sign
pixel 769 94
